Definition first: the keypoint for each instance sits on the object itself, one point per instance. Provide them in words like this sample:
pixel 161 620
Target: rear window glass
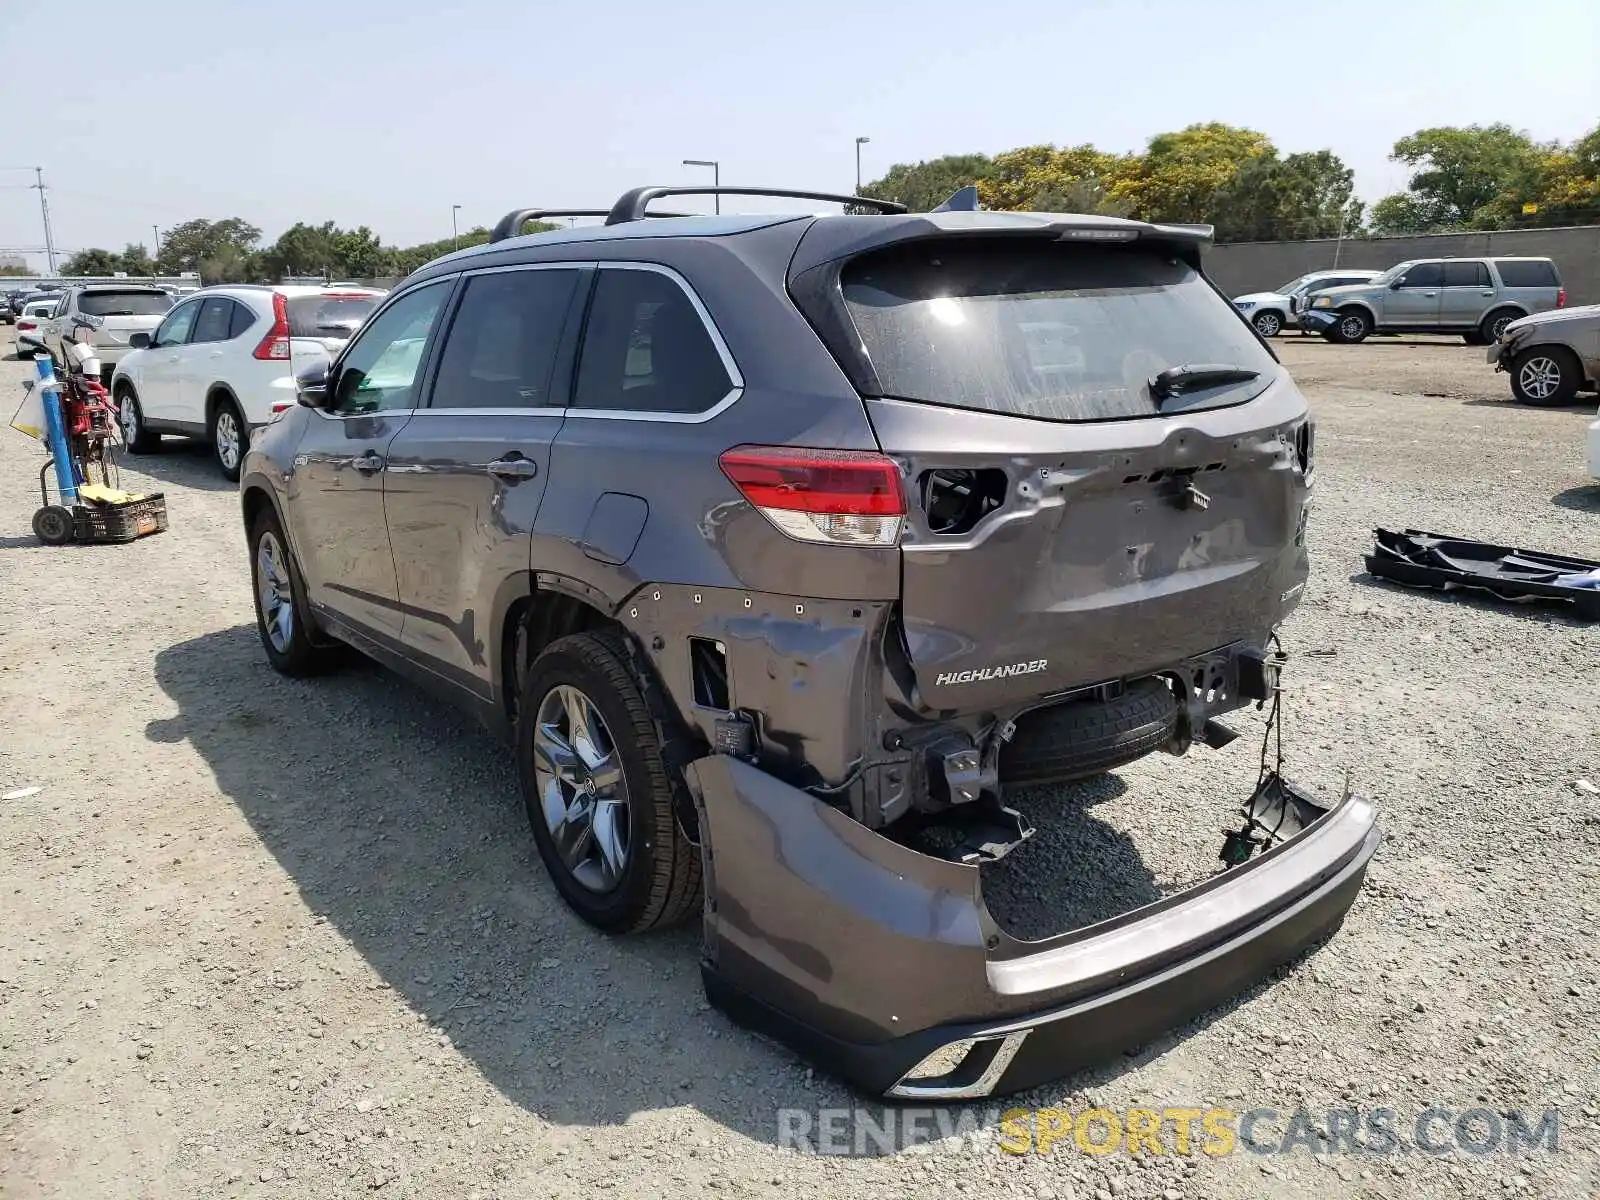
pixel 1058 332
pixel 328 316
pixel 1527 273
pixel 124 304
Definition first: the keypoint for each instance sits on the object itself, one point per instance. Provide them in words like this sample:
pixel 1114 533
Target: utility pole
pixel 860 141
pixel 156 229
pixel 716 176
pixel 44 211
pixel 455 234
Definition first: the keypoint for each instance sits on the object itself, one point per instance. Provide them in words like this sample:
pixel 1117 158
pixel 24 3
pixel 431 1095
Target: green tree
pixel 187 247
pixel 1183 175
pixel 925 185
pixel 1465 178
pixel 1300 196
pixel 359 254
pixel 1047 179
pixel 92 262
pixel 136 260
pixel 14 272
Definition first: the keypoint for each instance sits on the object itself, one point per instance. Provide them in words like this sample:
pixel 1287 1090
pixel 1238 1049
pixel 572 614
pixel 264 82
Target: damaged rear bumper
pixel 883 965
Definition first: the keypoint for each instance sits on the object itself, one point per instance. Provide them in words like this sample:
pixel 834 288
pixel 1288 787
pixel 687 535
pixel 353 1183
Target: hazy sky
pixel 387 112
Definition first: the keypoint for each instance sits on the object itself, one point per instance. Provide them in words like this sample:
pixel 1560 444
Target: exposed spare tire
pixel 1079 738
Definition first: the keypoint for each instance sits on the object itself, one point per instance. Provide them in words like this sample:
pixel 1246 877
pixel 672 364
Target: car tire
pixel 283 618
pixel 1353 327
pixel 229 437
pixel 1081 738
pixel 130 422
pixel 1268 324
pixel 1494 324
pixel 606 822
pixel 1545 376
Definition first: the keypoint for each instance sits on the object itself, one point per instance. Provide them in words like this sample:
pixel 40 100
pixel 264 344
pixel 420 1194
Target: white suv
pixel 223 362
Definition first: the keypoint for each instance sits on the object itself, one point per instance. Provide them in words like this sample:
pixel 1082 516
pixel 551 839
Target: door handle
pixel 513 468
pixel 368 463
pixel 1430 295
pixel 1488 294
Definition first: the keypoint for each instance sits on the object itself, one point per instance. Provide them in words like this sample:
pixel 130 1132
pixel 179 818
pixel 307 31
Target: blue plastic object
pixel 55 429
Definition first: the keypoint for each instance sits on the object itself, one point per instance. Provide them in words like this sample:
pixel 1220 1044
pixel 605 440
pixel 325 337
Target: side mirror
pixel 311 386
pixel 1398 283
pixel 139 341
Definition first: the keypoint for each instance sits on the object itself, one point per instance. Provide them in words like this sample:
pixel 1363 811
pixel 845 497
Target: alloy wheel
pixel 128 419
pixel 582 793
pixel 227 439
pixel 275 592
pixel 1352 327
pixel 1539 377
pixel 1499 327
pixel 1268 325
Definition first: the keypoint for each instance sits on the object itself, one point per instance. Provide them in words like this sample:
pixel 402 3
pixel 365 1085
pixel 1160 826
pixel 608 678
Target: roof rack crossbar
pixel 633 204
pixel 510 225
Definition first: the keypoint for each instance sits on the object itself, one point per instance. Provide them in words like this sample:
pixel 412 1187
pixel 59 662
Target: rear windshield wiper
pixel 1175 381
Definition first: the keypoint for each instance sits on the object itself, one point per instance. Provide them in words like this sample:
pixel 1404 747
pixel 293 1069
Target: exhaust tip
pixel 965 1069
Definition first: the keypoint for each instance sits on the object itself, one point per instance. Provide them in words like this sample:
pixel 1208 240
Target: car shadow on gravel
pixel 1583 499
pixel 185 461
pixel 401 824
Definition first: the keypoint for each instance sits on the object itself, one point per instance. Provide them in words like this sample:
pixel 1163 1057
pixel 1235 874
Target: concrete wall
pixel 1261 266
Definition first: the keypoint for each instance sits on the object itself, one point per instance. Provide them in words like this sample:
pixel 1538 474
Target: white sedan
pixel 27 335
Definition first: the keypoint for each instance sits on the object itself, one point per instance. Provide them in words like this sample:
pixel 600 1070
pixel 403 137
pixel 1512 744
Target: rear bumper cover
pixel 867 956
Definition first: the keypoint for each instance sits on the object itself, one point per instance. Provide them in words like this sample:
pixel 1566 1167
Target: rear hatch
pixel 320 325
pixel 123 312
pixel 1074 516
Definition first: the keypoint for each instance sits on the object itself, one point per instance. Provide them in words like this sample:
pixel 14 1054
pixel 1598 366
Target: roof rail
pixel 511 224
pixel 632 205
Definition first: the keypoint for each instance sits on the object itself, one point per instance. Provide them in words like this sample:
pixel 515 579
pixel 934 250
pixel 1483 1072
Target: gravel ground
pixel 267 938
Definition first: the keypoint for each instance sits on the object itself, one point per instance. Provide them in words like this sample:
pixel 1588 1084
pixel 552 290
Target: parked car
pixel 29 333
pixel 1475 297
pixel 784 547
pixel 222 363
pixel 117 312
pixel 1271 312
pixel 1551 356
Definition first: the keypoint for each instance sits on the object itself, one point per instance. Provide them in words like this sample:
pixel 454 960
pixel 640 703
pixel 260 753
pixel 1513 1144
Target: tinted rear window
pixel 328 316
pixel 124 304
pixel 1528 273
pixel 1059 332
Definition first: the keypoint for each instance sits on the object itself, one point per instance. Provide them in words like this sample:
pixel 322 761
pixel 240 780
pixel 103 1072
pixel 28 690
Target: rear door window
pixel 1535 272
pixel 1057 332
pixel 124 304
pixel 502 345
pixel 1466 274
pixel 216 313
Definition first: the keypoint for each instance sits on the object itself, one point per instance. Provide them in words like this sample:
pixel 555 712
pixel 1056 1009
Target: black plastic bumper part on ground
pixel 867 957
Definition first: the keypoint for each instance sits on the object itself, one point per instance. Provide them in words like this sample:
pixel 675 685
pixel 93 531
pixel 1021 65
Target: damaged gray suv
pixel 785 548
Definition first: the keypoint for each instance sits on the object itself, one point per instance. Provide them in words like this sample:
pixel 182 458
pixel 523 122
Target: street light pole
pixel 455 234
pixel 716 176
pixel 156 229
pixel 860 141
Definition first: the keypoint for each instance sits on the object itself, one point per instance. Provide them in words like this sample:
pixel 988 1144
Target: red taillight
pixel 1561 297
pixel 846 497
pixel 22 325
pixel 276 344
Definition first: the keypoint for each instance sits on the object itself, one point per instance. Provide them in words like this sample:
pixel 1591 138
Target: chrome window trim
pixel 717 340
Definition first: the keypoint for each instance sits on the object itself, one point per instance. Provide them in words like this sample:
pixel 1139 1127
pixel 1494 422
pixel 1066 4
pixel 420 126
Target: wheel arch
pixel 215 395
pixel 531 611
pixel 1505 306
